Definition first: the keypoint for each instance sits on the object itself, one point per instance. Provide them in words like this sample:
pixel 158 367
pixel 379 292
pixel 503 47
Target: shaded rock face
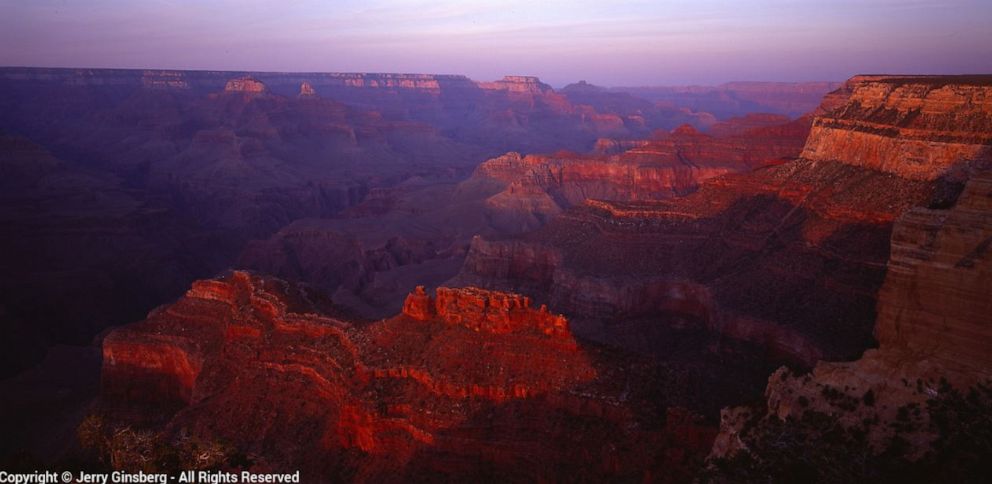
pixel 753 256
pixel 442 391
pixel 935 301
pixel 933 325
pixel 917 128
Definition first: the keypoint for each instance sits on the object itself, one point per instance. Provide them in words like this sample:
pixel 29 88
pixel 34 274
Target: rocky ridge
pixel 443 390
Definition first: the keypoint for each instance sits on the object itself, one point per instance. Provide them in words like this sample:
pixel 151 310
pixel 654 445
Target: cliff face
pixel 933 309
pixel 933 329
pixel 461 385
pixel 746 256
pixel 935 302
pixel 917 128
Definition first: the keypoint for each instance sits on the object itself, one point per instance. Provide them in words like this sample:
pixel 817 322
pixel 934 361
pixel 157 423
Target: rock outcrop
pixel 464 385
pixel 486 311
pixel 306 89
pixel 245 84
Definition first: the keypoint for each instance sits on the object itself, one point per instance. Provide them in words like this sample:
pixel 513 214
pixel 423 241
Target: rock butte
pixel 465 378
pixel 245 84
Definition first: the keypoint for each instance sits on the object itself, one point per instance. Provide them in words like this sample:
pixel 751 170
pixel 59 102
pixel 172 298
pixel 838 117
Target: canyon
pixel 180 171
pixel 788 255
pixel 635 284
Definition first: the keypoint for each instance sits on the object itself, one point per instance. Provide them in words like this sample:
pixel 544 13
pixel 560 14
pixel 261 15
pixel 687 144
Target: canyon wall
pixel 933 329
pixel 538 187
pixel 789 256
pixel 935 300
pixel 916 127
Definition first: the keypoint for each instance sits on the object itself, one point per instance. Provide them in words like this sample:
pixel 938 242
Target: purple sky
pixel 605 42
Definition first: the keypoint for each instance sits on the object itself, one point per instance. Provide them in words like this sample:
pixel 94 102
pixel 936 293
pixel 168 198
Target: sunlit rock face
pixel 306 89
pixel 462 384
pixel 245 84
pixel 915 127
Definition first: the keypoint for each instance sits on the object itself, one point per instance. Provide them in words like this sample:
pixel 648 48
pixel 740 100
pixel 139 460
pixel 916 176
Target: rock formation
pixel 486 311
pixel 468 384
pixel 307 90
pixel 245 84
pixel 934 301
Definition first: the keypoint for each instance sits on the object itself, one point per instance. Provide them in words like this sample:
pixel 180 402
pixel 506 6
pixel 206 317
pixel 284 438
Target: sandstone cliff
pixel 918 128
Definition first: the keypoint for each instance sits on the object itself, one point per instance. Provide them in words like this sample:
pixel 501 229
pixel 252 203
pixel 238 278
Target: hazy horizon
pixel 628 43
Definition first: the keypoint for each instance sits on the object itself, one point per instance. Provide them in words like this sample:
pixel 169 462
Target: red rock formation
pixel 307 90
pixel 465 385
pixel 245 84
pixel 918 128
pixel 487 311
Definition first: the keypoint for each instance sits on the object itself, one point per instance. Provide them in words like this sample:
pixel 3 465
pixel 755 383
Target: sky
pixel 612 43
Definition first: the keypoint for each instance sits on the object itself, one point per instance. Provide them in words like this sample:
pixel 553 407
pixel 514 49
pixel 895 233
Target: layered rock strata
pixel 915 127
pixel 465 384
